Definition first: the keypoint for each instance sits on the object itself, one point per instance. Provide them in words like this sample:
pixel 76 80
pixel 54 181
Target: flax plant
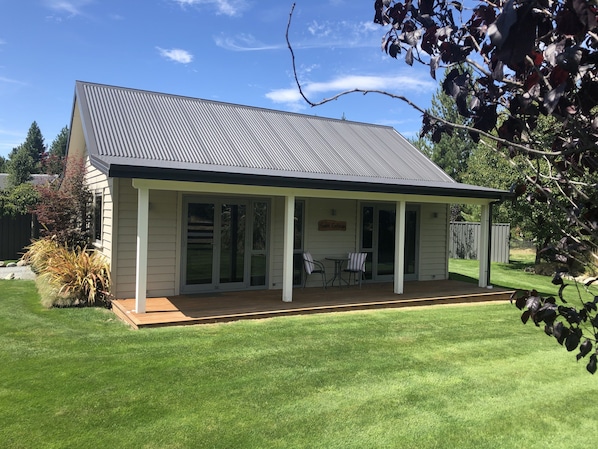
pixel 39 253
pixel 79 277
pixel 69 277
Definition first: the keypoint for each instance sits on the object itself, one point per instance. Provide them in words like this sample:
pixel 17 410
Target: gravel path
pixel 18 272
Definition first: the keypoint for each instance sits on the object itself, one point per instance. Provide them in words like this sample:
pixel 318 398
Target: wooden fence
pixel 15 235
pixel 465 237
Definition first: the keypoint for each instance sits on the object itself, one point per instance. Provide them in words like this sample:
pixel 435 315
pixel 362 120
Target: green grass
pixel 514 276
pixel 437 377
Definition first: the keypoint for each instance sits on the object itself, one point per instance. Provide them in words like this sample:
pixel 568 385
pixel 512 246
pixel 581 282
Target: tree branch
pixel 404 99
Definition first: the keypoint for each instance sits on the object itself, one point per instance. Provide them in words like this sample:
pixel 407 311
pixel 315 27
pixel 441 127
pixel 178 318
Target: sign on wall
pixel 332 225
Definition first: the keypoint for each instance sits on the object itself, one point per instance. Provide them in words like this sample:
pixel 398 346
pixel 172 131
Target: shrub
pixel 64 208
pixel 39 252
pixel 79 277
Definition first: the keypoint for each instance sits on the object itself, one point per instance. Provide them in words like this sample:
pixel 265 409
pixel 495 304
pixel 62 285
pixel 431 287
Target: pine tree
pixel 57 153
pixel 34 143
pixel 451 150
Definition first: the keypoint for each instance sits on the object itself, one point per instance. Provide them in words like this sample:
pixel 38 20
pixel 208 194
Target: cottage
pixel 199 196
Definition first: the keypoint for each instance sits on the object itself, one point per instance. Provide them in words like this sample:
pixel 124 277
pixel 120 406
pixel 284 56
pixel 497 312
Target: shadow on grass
pixel 462 278
pixel 512 267
pixel 516 265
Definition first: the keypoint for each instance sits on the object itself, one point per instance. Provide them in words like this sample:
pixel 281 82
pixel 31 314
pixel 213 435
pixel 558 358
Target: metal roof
pixel 36 180
pixel 142 134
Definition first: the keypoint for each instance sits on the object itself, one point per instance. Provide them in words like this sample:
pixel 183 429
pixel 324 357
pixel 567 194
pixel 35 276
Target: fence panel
pixel 15 235
pixel 465 237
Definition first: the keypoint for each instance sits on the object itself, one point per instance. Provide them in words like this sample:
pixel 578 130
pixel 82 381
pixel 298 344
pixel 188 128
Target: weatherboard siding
pixel 162 242
pixel 99 183
pixel 334 243
pixel 433 240
pixel 321 244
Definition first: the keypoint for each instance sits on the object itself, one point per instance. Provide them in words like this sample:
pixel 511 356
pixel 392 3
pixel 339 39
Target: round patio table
pixel 338 267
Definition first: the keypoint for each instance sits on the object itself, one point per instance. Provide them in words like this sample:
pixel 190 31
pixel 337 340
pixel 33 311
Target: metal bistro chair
pixel 313 267
pixel 355 266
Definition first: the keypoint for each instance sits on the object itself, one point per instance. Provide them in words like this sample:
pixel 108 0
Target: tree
pixel 64 209
pixel 18 200
pixel 3 165
pixel 529 59
pixel 35 146
pixel 20 166
pixel 57 153
pixel 450 150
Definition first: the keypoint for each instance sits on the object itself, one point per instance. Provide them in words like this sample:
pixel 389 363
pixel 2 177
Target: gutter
pixel 262 180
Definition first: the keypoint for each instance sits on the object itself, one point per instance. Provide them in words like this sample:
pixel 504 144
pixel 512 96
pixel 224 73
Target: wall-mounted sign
pixel 332 225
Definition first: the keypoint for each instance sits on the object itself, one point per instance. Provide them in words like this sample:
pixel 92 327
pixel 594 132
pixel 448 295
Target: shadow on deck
pixel 255 304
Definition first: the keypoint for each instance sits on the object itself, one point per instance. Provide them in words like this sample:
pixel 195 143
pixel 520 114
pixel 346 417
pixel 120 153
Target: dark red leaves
pixel 379 17
pixel 429 40
pixel 558 76
pixel 584 349
pixel 426 7
pixel 591 366
pixel 398 13
pixel 576 17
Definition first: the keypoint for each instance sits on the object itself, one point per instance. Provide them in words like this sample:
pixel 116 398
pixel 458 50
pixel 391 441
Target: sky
pixel 231 51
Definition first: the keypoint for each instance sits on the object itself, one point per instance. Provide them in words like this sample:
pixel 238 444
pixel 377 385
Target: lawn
pixel 432 377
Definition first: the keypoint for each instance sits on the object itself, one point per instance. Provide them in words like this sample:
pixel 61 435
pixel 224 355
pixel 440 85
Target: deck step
pixel 164 312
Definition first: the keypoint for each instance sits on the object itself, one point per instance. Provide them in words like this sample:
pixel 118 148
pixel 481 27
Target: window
pixel 97 217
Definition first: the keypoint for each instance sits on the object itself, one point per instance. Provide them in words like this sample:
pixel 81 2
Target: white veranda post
pixel 287 264
pixel 142 242
pixel 399 274
pixel 484 247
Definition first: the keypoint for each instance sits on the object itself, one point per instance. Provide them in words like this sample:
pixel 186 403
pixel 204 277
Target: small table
pixel 338 266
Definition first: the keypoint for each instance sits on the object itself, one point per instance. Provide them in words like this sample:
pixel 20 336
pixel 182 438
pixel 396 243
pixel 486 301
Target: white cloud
pixel 176 55
pixel 244 42
pixel 393 84
pixel 4 80
pixel 70 7
pixel 317 35
pixel 226 7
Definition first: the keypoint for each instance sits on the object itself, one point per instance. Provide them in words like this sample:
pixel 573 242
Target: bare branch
pixel 404 99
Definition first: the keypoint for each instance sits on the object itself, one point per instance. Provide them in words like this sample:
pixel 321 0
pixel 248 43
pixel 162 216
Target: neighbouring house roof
pixel 140 134
pixel 37 180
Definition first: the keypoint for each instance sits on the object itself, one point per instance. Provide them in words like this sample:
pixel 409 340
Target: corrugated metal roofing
pixel 36 180
pixel 141 129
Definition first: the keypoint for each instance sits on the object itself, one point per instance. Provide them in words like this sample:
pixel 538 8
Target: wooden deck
pixel 254 304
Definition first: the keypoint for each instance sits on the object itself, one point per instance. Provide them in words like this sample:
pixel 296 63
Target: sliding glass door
pixel 225 245
pixel 378 240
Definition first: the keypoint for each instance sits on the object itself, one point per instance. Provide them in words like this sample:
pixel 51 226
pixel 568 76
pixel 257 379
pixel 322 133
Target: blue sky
pixel 232 51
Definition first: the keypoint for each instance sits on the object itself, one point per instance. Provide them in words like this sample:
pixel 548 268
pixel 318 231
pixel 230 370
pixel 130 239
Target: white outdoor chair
pixel 355 266
pixel 312 266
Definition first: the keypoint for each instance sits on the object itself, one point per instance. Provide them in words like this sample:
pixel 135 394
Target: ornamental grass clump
pixel 78 277
pixel 68 278
pixel 39 252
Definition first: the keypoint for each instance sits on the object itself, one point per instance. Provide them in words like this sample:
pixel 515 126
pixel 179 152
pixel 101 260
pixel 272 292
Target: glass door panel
pixel 200 243
pixel 410 243
pixel 259 244
pixel 378 240
pixel 226 245
pixel 232 243
pixel 386 242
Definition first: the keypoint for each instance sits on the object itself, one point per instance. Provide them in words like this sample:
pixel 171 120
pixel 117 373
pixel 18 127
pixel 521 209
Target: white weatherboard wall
pixel 319 243
pixel 433 239
pixel 162 246
pixel 98 183
pixel 329 243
